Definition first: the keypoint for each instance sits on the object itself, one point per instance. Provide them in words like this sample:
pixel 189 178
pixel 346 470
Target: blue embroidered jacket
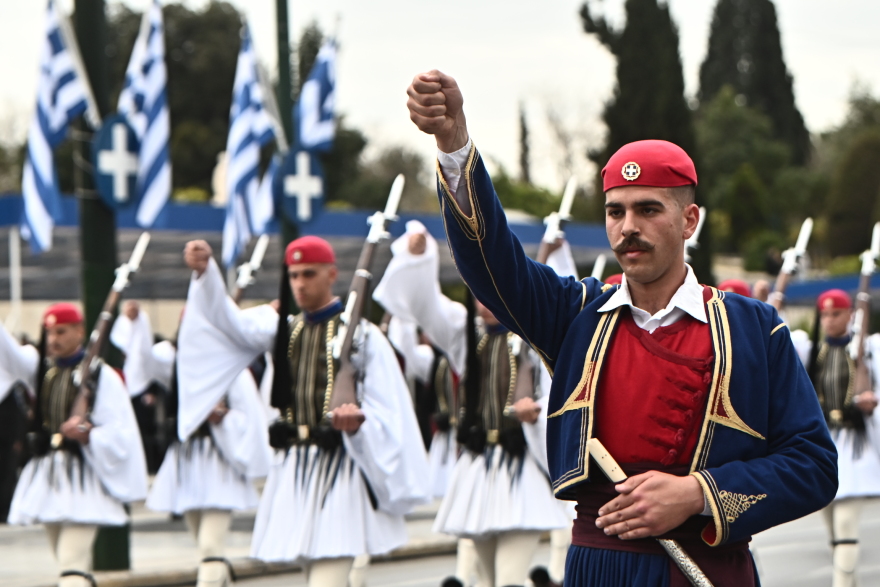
pixel 764 455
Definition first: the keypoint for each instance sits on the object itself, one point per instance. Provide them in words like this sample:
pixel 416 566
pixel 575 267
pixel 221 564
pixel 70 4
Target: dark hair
pixel 684 195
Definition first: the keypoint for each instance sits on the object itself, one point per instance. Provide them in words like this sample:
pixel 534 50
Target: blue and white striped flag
pixel 315 111
pixel 248 209
pixel 144 103
pixel 62 95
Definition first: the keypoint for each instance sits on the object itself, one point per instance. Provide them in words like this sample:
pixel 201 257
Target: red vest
pixel 652 396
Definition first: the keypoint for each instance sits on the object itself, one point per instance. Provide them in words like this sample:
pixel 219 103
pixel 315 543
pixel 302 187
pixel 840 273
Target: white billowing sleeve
pixel 243 435
pixel 562 261
pixel 802 345
pixel 143 362
pixel 410 290
pixel 114 450
pixel 404 338
pixel 17 363
pixel 217 341
pixel 388 447
pixel 272 413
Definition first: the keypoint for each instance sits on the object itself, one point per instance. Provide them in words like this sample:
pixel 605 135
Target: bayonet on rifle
pixel 555 221
pixel 790 260
pixel 247 271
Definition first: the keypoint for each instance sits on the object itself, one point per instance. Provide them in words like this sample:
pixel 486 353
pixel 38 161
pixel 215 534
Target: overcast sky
pixel 503 52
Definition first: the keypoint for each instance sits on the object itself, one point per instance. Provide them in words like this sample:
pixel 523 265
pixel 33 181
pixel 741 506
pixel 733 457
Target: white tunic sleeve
pixel 410 289
pixel 17 363
pixel 142 364
pixel 114 450
pixel 562 261
pixel 243 436
pixel 217 341
pixel 388 447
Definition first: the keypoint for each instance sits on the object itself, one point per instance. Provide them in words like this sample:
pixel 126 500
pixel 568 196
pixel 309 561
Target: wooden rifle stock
pixel 777 296
pixel 345 381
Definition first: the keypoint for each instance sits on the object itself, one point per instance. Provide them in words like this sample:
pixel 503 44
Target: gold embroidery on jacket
pixel 735 504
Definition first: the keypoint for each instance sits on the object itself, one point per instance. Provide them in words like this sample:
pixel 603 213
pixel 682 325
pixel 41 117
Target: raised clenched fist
pixel 436 106
pixel 131 309
pixel 196 255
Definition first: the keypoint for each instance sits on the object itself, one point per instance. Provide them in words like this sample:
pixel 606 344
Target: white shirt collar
pixel 688 299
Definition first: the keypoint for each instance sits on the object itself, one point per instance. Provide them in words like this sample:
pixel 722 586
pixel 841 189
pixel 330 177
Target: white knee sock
pixel 329 572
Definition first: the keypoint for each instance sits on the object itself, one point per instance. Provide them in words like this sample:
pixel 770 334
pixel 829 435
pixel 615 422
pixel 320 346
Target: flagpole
pixel 14 317
pixel 93 113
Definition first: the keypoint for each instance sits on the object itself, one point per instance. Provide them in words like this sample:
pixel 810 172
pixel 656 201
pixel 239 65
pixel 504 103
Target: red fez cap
pixel 736 286
pixel 63 313
pixel 615 279
pixel 309 249
pixel 834 298
pixel 649 163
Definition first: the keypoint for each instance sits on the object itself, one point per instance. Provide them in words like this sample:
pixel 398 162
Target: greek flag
pixel 317 102
pixel 144 103
pixel 62 95
pixel 248 210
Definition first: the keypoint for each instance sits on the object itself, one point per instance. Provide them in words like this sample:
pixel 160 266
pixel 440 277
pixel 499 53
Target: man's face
pixel 312 284
pixel 835 321
pixel 63 340
pixel 486 314
pixel 646 229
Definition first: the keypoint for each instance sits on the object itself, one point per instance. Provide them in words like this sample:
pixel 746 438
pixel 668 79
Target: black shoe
pixel 451 582
pixel 541 578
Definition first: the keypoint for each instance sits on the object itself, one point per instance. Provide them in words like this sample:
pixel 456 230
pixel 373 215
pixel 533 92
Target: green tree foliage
pixel 855 196
pixel 519 195
pixel 745 52
pixel 648 101
pixel 740 163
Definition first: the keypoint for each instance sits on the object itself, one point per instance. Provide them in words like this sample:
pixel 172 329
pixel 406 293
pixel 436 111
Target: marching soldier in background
pixel 147 372
pixel 498 494
pixel 853 425
pixel 83 470
pixel 342 480
pixel 220 441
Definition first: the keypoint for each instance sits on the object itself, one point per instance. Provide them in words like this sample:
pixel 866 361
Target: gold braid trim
pixel 735 504
pixel 512 385
pixel 331 331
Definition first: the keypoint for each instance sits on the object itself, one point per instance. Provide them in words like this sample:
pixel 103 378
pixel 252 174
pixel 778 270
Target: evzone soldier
pixel 84 469
pixel 342 479
pixel 852 420
pixel 220 436
pixel 147 373
pixel 699 395
pixel 498 495
pixel 434 372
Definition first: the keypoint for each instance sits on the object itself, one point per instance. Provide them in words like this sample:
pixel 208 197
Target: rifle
pixel 790 260
pixel 863 314
pixel 693 243
pixel 555 220
pixel 344 383
pixel 247 270
pixel 85 375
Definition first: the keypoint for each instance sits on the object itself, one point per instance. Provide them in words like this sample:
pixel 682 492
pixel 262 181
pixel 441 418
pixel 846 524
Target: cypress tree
pixel 854 200
pixel 648 101
pixel 525 174
pixel 745 52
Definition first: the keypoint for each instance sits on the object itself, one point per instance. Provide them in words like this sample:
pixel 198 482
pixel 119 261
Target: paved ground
pixel 795 554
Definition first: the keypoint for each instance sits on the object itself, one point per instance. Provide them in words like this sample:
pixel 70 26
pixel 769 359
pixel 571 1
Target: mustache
pixel 632 242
